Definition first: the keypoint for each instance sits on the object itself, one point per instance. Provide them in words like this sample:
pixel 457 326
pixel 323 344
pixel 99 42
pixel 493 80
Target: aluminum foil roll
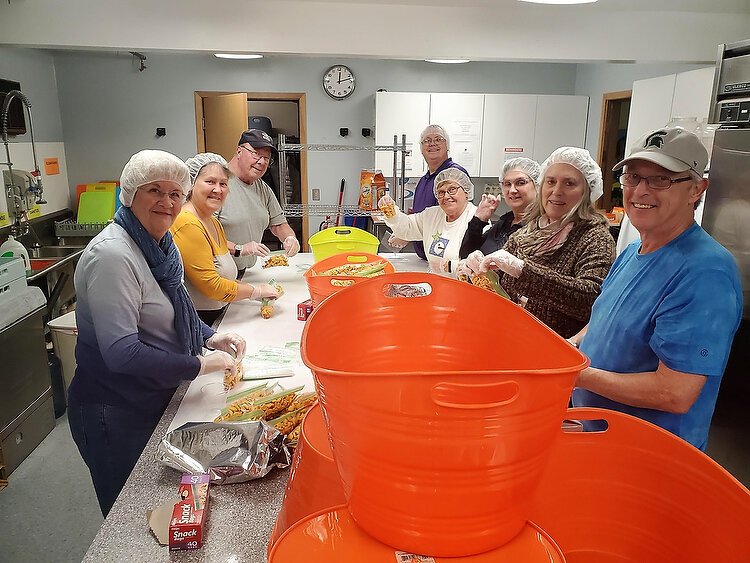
pixel 233 452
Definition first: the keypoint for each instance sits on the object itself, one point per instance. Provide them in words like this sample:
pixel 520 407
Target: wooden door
pixel 224 120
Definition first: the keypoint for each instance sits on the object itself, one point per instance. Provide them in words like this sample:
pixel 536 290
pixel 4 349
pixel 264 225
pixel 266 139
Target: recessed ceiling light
pixel 238 56
pixel 448 61
pixel 559 1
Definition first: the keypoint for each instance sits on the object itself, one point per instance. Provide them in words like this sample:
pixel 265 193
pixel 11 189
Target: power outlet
pixel 316 194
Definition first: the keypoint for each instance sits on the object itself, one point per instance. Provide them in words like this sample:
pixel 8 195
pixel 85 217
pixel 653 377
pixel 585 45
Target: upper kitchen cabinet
pixel 692 93
pixel 507 131
pixel 650 106
pixel 461 115
pixel 560 121
pixel 398 113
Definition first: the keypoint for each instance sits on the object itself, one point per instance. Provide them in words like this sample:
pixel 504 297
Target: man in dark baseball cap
pixel 251 206
pixel 671 302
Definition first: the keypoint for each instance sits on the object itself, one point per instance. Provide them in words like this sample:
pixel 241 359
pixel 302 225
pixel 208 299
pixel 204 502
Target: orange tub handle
pixel 474 395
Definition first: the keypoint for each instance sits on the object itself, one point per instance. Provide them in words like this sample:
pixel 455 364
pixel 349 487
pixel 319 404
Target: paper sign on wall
pixel 512 152
pixel 51 166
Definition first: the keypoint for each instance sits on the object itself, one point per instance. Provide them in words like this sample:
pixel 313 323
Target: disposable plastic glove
pixel 229 342
pixel 447 266
pixel 264 291
pixel 253 248
pixel 396 242
pixel 291 245
pixel 216 361
pixel 487 207
pixel 388 207
pixel 502 260
pixel 474 261
pixel 462 269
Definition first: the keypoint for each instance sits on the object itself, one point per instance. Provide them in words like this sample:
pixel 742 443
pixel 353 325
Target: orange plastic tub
pixel 314 482
pixel 334 536
pixel 441 409
pixel 322 286
pixel 637 493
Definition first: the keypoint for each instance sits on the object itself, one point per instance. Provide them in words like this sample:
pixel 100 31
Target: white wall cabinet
pixel 560 121
pixel 506 132
pixel 656 101
pixel 397 113
pixel 485 129
pixel 462 116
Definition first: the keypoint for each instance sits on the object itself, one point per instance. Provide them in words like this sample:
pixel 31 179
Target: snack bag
pixel 372 187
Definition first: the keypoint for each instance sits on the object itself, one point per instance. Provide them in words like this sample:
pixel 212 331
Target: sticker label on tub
pixel 405 557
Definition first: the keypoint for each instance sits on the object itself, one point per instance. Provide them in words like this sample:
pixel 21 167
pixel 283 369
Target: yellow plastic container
pixel 337 240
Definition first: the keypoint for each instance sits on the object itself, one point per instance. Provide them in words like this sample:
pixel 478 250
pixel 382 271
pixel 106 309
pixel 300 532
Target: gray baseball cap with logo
pixel 673 148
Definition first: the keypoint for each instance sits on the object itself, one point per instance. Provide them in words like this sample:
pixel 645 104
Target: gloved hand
pixel 264 291
pixel 487 207
pixel 388 207
pixel 396 242
pixel 229 342
pixel 291 245
pixel 463 270
pixel 253 248
pixel 502 260
pixel 474 261
pixel 215 361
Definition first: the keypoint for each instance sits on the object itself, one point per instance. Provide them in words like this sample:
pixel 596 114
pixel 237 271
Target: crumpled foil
pixel 230 452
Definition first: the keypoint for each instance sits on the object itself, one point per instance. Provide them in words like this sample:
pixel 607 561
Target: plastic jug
pixel 12 247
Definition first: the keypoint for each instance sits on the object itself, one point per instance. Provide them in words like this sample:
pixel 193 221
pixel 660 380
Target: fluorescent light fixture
pixel 237 56
pixel 448 61
pixel 559 1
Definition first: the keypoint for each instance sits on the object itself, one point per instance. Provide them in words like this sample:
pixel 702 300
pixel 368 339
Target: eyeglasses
pixel 257 156
pixel 450 191
pixel 433 141
pixel 630 180
pixel 157 194
pixel 518 183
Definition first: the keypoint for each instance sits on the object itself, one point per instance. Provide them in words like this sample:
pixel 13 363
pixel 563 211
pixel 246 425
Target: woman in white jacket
pixel 440 228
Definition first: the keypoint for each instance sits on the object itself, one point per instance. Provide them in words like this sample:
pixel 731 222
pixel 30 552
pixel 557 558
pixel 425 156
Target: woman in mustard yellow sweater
pixel 210 272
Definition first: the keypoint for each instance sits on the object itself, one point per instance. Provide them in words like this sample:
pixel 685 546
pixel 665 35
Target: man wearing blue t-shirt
pixel 661 330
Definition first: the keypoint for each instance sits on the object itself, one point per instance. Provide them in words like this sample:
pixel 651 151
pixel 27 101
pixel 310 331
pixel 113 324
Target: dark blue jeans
pixel 110 440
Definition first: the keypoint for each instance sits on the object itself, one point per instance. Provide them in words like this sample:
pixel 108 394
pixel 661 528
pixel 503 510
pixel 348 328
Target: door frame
pixel 300 98
pixel 608 141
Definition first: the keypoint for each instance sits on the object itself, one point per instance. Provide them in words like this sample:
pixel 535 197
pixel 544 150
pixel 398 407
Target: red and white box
pixel 189 515
pixel 304 309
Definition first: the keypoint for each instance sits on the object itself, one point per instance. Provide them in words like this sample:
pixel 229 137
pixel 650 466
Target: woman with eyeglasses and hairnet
pixel 210 270
pixel 518 184
pixel 441 229
pixel 557 262
pixel 139 335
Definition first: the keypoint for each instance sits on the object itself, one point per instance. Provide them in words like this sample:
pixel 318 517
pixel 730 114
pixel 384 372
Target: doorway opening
pixel 220 119
pixel 612 135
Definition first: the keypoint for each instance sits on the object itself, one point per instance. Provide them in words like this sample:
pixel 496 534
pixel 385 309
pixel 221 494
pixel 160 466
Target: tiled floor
pixel 49 513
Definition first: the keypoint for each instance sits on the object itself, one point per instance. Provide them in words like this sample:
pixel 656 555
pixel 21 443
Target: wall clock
pixel 339 82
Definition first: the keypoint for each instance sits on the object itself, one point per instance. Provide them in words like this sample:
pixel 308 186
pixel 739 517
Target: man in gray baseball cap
pixel 251 206
pixel 661 329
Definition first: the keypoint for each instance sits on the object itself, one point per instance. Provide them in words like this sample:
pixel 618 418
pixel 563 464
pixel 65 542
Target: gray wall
pixel 596 79
pixel 111 110
pixel 35 70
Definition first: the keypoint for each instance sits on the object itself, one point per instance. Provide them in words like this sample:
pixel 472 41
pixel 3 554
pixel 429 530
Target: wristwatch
pixel 237 250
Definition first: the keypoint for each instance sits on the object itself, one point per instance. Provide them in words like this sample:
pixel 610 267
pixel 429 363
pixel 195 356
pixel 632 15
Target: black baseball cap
pixel 257 139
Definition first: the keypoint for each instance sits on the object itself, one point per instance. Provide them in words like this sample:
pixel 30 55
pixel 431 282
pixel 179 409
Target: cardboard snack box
pixel 189 515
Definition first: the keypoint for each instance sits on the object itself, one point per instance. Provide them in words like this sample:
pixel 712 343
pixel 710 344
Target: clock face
pixel 338 82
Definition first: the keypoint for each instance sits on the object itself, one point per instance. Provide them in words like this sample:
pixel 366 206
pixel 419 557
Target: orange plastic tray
pixel 322 286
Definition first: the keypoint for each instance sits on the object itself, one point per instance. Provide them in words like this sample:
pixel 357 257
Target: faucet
pixel 18 193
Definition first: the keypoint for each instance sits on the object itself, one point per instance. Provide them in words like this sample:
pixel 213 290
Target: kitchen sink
pixel 55 251
pixel 39 264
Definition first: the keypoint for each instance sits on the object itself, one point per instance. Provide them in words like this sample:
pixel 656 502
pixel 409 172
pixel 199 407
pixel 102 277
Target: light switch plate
pixel 316 194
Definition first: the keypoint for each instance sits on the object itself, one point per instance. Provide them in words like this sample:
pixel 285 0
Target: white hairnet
pixel 529 167
pixel 149 166
pixel 581 160
pixel 455 175
pixel 435 129
pixel 196 163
